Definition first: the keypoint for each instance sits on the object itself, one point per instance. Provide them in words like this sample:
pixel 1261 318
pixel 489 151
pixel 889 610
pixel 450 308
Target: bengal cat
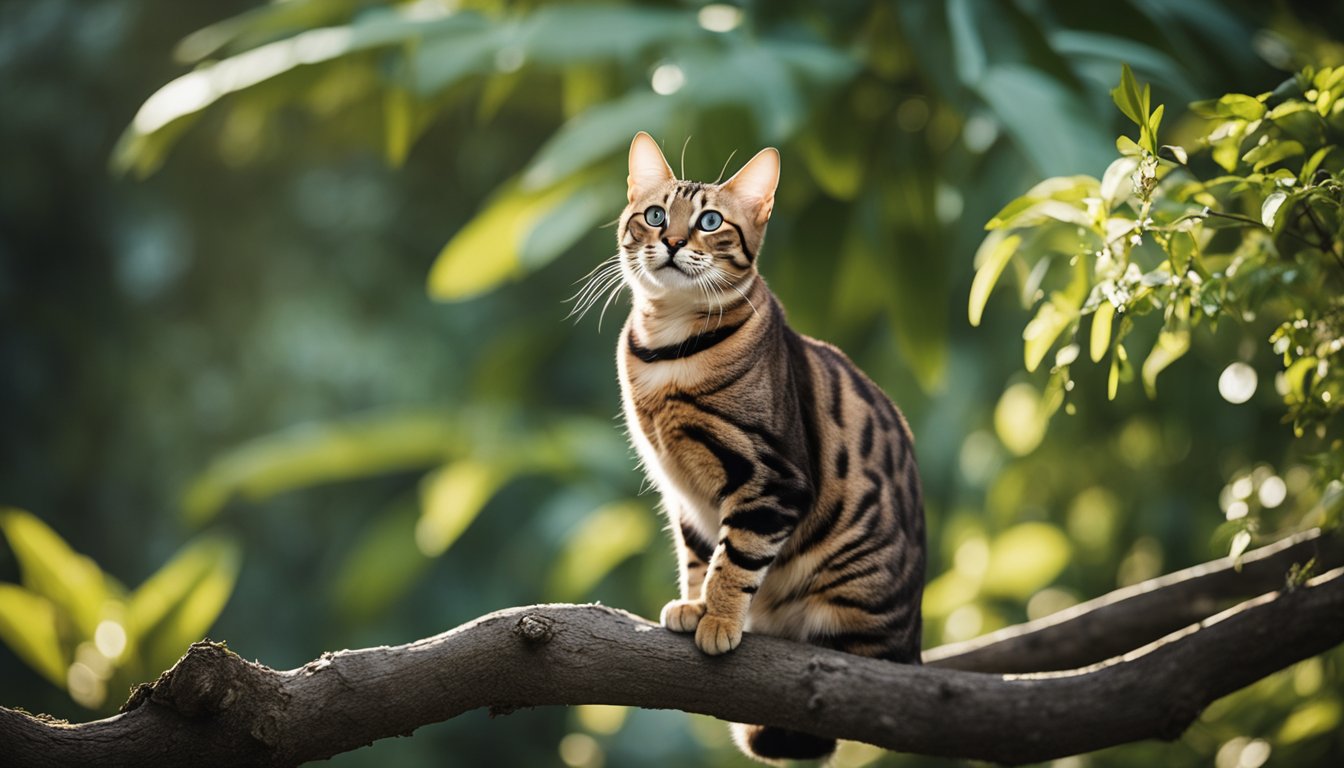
pixel 788 477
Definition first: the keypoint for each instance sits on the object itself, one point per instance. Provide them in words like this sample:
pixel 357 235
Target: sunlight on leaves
pixel 488 251
pixel 175 582
pixel 601 542
pixel 213 566
pixel 450 499
pixel 28 627
pixel 72 582
pixel 310 454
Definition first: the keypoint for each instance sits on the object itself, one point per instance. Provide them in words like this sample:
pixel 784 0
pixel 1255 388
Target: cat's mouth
pixel 672 263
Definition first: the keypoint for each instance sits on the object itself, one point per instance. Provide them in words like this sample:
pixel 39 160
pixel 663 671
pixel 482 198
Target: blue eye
pixel 655 216
pixel 710 220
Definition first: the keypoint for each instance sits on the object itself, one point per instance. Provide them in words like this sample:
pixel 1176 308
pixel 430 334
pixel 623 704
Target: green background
pixel 251 335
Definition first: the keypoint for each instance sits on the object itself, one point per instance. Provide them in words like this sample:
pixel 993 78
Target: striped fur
pixel 788 477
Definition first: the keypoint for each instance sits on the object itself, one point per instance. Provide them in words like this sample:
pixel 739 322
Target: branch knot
pixel 535 629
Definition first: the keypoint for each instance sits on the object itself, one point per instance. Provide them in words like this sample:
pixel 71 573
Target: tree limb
pixel 1134 616
pixel 216 709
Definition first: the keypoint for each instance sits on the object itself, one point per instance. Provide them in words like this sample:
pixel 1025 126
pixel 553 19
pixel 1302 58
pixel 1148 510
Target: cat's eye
pixel 655 216
pixel 710 220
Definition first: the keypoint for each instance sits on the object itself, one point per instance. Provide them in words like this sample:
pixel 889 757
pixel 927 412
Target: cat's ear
pixel 756 182
pixel 648 168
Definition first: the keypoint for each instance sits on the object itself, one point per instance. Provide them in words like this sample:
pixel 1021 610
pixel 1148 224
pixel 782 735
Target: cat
pixel 787 476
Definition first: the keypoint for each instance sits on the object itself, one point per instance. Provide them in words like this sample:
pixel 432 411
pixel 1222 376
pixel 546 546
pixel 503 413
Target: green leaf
pixel 1272 152
pixel 488 250
pixel 72 582
pixel 1050 321
pixel 168 589
pixel 28 627
pixel 312 454
pixel 604 540
pixel 992 257
pixel 1309 167
pixel 1126 97
pixel 1234 105
pixel 1171 344
pixel 450 499
pixel 211 565
pixel 1119 371
pixel 1269 210
pixel 1101 331
pixel 1149 133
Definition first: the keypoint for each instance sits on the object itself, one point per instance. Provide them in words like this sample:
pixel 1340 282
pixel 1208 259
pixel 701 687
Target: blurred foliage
pixel 84 631
pixel 241 340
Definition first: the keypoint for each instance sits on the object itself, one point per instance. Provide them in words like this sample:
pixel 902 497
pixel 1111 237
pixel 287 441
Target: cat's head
pixel 690 239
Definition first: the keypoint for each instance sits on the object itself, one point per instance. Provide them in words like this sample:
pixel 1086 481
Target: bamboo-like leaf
pixel 1050 321
pixel 72 582
pixel 992 257
pixel 450 499
pixel 214 567
pixel 311 454
pixel 488 250
pixel 1101 331
pixel 170 586
pixel 28 627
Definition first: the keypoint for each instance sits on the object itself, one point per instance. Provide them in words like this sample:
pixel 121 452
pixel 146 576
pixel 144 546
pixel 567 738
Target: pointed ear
pixel 647 166
pixel 756 182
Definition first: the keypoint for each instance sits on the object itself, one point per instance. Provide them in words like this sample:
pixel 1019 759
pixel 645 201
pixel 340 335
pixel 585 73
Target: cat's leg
pixel 693 555
pixel 752 535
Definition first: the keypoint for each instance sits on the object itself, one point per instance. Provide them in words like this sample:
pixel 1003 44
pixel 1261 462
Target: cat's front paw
pixel 683 615
pixel 717 634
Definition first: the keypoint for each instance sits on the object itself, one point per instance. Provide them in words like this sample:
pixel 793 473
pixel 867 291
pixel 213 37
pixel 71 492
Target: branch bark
pixel 216 709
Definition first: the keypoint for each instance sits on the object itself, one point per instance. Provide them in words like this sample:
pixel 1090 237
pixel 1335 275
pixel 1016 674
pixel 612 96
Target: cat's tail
pixel 771 745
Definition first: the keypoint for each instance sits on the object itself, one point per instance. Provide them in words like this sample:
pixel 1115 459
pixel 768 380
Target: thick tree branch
pixel 1134 616
pixel 215 709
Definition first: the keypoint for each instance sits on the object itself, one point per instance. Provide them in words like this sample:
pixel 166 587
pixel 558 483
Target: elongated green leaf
pixel 170 586
pixel 187 95
pixel 604 540
pixel 311 454
pixel 488 250
pixel 216 571
pixel 28 627
pixel 72 582
pixel 450 499
pixel 1050 321
pixel 992 257
pixel 1101 331
pixel 1272 152
pixel 1126 97
pixel 1171 345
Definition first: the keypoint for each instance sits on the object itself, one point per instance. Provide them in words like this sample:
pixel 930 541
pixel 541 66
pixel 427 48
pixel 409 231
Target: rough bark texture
pixel 216 709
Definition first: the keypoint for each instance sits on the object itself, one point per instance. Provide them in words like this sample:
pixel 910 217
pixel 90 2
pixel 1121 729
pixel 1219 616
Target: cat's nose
pixel 673 245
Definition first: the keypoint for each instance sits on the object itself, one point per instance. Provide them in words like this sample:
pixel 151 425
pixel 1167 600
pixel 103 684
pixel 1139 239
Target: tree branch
pixel 1134 616
pixel 216 709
